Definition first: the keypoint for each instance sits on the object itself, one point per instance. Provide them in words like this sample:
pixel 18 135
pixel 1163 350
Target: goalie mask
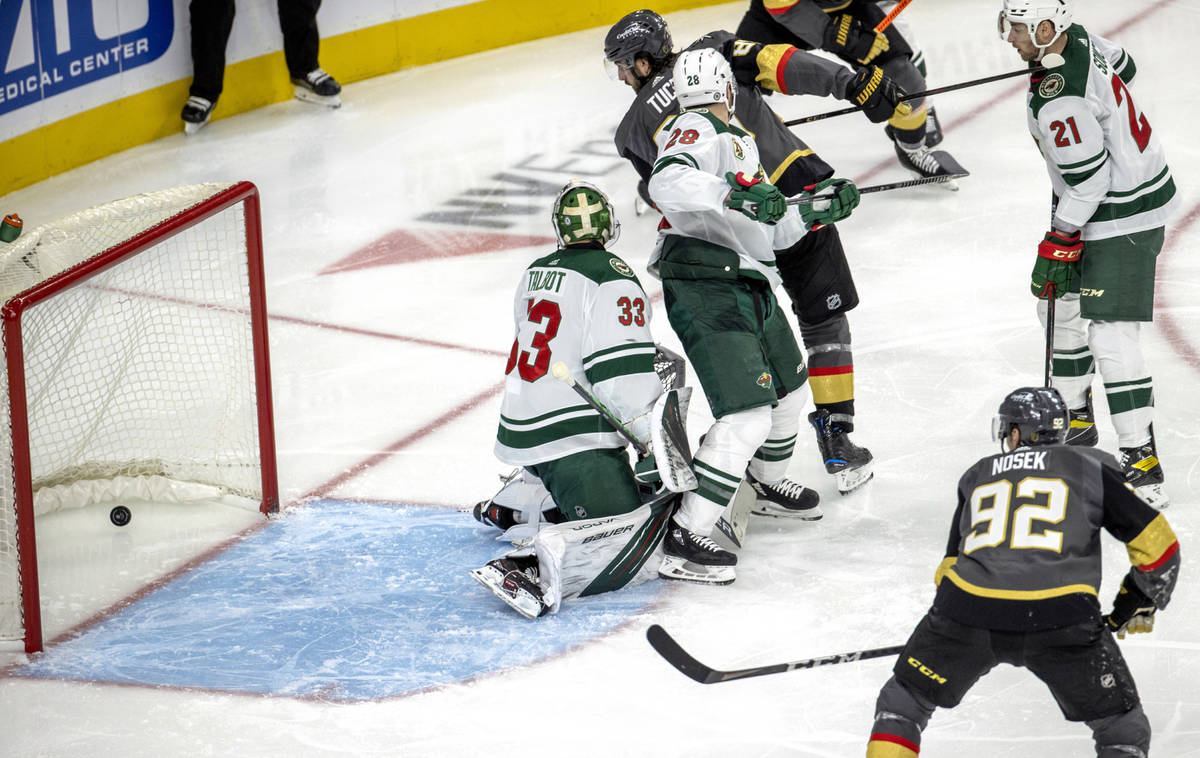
pixel 703 77
pixel 1032 13
pixel 582 213
pixel 1038 412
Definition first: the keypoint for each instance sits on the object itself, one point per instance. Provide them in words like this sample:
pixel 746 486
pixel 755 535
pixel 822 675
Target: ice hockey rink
pixel 395 231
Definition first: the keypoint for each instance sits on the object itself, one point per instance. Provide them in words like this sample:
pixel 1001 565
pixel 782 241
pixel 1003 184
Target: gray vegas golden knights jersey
pixel 584 307
pixel 1105 161
pixel 759 70
pixel 1024 546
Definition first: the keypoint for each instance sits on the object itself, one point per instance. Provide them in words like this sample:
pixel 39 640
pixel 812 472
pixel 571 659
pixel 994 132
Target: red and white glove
pixel 1057 264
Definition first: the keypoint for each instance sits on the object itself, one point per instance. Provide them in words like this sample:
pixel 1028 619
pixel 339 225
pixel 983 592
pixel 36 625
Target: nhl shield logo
pixel 1051 86
pixel 764 381
pixel 833 302
pixel 1108 681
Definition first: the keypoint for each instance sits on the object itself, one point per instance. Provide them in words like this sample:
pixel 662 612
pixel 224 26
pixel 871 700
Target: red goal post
pixel 136 356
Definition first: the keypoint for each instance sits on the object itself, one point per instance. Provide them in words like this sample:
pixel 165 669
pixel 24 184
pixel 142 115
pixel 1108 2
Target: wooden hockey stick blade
pixel 800 200
pixel 924 93
pixel 889 18
pixel 668 648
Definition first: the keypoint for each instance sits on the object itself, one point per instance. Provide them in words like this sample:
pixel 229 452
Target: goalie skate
pixel 513 580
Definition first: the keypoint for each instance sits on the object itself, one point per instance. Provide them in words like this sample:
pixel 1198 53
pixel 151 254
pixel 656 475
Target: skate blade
pixel 679 570
pixel 523 603
pixel 773 511
pixel 852 479
pixel 639 206
pixel 308 96
pixel 190 128
pixel 1155 495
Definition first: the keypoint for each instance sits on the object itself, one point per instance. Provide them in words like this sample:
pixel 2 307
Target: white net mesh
pixel 145 369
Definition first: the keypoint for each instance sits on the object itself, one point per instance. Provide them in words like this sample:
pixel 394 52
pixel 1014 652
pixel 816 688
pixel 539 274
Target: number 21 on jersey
pixel 991 504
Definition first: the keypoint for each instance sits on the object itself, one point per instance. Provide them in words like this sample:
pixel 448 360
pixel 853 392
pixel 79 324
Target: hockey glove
pixel 755 198
pixel 1132 611
pixel 1057 265
pixel 877 95
pixel 846 37
pixel 831 211
pixel 646 472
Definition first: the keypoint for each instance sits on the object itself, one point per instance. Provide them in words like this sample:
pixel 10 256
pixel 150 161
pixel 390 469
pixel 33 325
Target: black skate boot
pixel 922 162
pixel 1082 429
pixel 196 112
pixel 784 499
pixel 849 463
pixel 487 512
pixel 1144 473
pixel 933 128
pixel 514 580
pixel 318 87
pixel 691 557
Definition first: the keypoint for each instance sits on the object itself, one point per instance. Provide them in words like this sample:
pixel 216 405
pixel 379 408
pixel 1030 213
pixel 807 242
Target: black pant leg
pixel 301 40
pixel 212 20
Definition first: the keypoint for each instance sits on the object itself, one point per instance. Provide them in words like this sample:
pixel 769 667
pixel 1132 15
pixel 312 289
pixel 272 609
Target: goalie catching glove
pixel 823 212
pixel 1132 612
pixel 755 198
pixel 877 95
pixel 1056 269
pixel 848 38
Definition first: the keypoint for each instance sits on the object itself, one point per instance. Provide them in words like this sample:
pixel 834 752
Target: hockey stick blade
pixel 666 646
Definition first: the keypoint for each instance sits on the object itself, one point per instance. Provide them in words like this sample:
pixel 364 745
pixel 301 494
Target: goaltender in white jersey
pixel 581 315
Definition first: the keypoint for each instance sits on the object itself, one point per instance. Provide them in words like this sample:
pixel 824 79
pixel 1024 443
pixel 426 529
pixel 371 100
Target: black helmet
pixel 641 32
pixel 1038 412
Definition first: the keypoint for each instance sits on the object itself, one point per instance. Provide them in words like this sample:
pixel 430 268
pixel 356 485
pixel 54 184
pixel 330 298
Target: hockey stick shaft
pixel 562 374
pixel 800 200
pixel 891 16
pixel 668 648
pixel 1050 333
pixel 914 96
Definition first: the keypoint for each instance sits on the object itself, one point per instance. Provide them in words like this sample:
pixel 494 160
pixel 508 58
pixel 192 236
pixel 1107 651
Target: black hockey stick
pixel 668 648
pixel 800 199
pixel 1050 332
pixel 561 373
pixel 1048 63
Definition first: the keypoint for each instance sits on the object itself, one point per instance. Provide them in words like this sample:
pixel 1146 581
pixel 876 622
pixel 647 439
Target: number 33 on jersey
pixel 586 308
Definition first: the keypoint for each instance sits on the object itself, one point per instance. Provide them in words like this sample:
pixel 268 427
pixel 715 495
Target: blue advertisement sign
pixel 86 57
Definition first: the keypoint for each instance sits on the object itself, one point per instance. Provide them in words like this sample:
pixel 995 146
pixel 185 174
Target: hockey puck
pixel 120 516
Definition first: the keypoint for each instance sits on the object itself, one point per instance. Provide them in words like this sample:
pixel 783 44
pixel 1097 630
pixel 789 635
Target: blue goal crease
pixel 339 601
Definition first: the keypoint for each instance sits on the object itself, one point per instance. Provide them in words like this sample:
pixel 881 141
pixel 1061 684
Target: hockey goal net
pixel 136 365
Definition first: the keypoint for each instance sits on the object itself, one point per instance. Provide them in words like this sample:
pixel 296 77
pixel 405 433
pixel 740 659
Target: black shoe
pixel 933 128
pixel 1082 429
pixel 318 87
pixel 686 544
pixel 196 112
pixel 923 163
pixel 849 463
pixel 1144 473
pixel 784 498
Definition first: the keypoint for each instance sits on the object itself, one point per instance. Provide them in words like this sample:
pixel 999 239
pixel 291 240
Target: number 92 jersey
pixel 583 307
pixel 1024 547
pixel 1106 163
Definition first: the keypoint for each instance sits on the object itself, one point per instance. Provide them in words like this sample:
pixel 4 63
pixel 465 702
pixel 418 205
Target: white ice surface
pixel 386 389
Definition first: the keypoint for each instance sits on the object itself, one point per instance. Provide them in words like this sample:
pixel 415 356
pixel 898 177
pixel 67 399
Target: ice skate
pixel 693 558
pixel 784 499
pixel 514 580
pixel 1144 473
pixel 849 463
pixel 922 162
pixel 1082 429
pixel 318 87
pixel 196 113
pixel 933 128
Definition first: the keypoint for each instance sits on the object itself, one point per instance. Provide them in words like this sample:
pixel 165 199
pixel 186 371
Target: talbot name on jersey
pixel 1020 459
pixel 545 280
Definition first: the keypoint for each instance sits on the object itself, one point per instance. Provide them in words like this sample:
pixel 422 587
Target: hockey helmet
pixel 703 77
pixel 1032 13
pixel 1038 412
pixel 642 32
pixel 583 213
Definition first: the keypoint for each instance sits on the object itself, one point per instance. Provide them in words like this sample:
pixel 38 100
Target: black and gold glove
pixel 1132 613
pixel 877 94
pixel 847 37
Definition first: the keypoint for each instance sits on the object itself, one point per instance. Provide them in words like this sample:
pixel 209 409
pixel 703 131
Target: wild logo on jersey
pixel 764 381
pixel 620 267
pixel 1051 85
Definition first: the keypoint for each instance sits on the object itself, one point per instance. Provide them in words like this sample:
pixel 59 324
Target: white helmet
pixel 1034 12
pixel 702 77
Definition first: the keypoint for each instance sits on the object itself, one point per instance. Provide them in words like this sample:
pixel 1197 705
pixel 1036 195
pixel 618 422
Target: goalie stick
pixel 668 648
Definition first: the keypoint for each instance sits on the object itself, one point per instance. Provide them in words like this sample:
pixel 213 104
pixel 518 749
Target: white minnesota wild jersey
pixel 695 151
pixel 586 308
pixel 1106 163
